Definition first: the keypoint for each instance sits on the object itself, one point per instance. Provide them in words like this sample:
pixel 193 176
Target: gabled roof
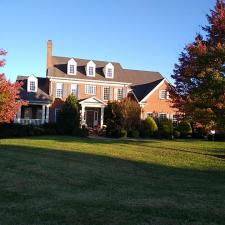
pixel 143 82
pixel 41 96
pixel 59 69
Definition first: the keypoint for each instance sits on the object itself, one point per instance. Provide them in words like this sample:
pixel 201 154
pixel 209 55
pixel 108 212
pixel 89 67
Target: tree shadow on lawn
pixel 45 186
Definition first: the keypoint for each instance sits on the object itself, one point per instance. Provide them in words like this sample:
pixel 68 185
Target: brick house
pixel 94 83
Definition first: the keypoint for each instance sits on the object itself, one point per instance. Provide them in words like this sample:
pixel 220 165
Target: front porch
pixel 92 112
pixel 33 114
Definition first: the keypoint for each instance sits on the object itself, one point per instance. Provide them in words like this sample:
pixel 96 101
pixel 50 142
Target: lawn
pixel 65 180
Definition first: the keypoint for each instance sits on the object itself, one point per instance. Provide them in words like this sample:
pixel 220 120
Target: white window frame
pixel 32 86
pixel 107 68
pixel 59 90
pixel 72 88
pixel 90 64
pixel 109 89
pixel 165 96
pixel 90 89
pixel 30 79
pixel 119 96
pixel 73 63
pixel 160 114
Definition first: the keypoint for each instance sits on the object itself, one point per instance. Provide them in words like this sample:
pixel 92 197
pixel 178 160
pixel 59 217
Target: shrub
pixel 133 133
pixel 70 117
pixel 176 133
pixel 121 115
pixel 165 128
pixel 148 127
pixel 81 132
pixel 185 128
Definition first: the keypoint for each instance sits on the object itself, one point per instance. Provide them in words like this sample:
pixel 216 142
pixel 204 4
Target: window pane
pixel 106 93
pixel 90 90
pixel 109 73
pixel 32 85
pixel 91 70
pixel 163 94
pixel 71 68
pixel 119 93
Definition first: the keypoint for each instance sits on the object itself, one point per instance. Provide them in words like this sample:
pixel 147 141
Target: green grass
pixel 64 180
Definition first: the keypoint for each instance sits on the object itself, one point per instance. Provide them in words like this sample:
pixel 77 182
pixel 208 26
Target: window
pixel 57 114
pixel 109 72
pixel 91 71
pixel 74 89
pixel 106 93
pixel 72 69
pixel 149 114
pixel 59 90
pixel 27 113
pixel 163 94
pixel 162 115
pixel 90 90
pixel 32 85
pixel 119 93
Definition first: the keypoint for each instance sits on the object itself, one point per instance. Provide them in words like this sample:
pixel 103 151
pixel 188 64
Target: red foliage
pixel 9 96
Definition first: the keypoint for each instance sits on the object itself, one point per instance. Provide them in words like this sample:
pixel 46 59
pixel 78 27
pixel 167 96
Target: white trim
pixel 86 101
pixel 86 81
pixel 152 91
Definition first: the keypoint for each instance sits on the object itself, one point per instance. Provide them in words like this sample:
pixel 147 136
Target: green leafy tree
pixel 148 127
pixel 185 128
pixel 69 120
pixel 122 115
pixel 199 90
pixel 165 127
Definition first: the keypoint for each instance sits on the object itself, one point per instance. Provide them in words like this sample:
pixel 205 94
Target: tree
pixel 148 127
pixel 165 127
pixel 199 90
pixel 124 114
pixel 69 120
pixel 9 96
pixel 184 127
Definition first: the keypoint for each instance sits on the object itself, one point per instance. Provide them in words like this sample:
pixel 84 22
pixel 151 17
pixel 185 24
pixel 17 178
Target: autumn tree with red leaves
pixel 199 90
pixel 9 96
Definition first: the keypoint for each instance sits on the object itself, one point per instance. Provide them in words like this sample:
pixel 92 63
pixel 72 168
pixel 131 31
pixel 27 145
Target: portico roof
pixel 93 102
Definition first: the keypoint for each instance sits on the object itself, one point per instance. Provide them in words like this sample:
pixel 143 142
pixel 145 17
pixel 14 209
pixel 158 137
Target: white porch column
pixel 82 114
pixel 43 114
pixel 18 116
pixel 102 116
pixel 47 114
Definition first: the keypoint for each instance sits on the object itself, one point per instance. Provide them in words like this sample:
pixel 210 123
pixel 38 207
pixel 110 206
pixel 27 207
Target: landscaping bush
pixel 121 116
pixel 70 116
pixel 81 132
pixel 176 133
pixel 185 128
pixel 133 133
pixel 166 128
pixel 148 127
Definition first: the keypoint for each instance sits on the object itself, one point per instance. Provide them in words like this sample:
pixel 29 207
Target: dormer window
pixel 90 69
pixel 72 67
pixel 32 84
pixel 109 71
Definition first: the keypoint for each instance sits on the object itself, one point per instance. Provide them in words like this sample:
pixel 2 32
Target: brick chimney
pixel 49 54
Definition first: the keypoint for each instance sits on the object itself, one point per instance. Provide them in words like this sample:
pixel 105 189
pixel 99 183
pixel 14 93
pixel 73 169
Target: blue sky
pixel 140 34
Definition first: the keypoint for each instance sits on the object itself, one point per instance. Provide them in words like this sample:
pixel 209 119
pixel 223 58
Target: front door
pixel 90 118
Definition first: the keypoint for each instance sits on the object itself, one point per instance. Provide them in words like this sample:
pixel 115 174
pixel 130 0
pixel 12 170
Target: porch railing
pixel 36 122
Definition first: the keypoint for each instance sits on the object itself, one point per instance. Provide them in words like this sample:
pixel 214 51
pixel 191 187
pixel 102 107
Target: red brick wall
pixel 156 105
